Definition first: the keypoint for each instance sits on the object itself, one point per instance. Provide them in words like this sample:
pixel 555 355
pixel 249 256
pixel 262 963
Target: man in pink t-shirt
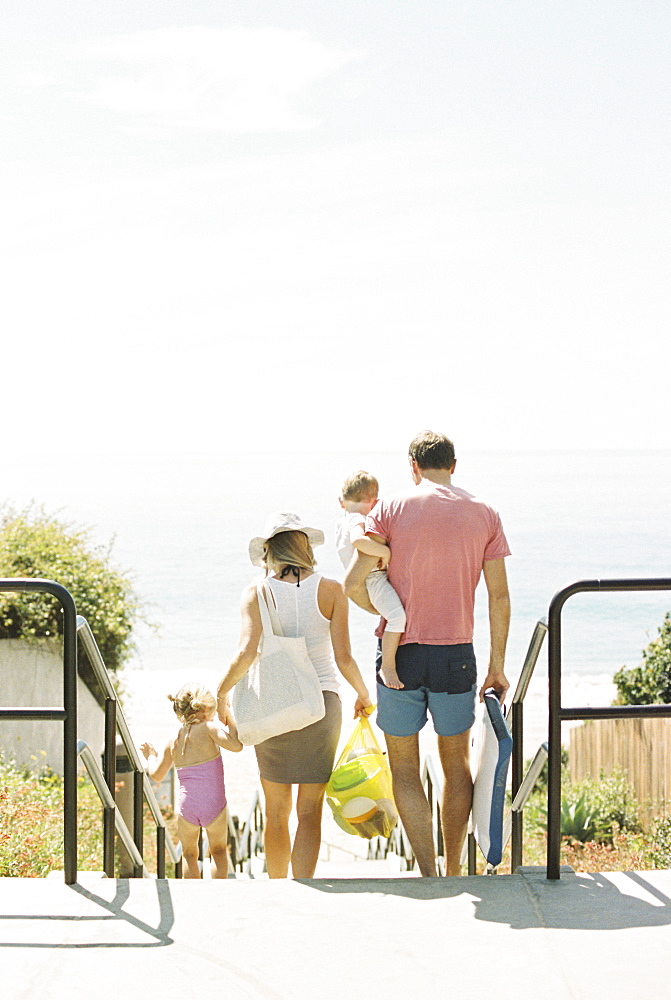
pixel 441 539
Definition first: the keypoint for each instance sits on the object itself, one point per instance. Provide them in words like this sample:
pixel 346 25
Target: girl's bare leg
pixel 309 833
pixel 188 837
pixel 217 837
pixel 276 835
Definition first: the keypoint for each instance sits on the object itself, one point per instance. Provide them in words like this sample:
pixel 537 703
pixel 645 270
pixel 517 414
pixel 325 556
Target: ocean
pixel 181 525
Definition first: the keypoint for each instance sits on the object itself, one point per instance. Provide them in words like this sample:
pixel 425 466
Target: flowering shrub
pixel 31 823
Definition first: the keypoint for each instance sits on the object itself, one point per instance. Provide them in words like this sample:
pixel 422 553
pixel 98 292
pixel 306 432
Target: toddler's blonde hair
pixel 360 486
pixel 190 701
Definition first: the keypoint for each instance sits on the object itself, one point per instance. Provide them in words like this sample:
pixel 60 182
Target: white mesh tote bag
pixel 281 691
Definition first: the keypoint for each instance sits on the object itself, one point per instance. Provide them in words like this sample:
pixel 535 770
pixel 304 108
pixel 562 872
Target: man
pixel 441 539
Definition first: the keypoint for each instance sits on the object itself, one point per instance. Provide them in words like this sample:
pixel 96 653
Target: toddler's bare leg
pixel 188 837
pixel 390 641
pixel 217 836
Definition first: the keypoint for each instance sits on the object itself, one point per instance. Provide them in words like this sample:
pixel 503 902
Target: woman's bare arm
pixel 336 604
pixel 248 647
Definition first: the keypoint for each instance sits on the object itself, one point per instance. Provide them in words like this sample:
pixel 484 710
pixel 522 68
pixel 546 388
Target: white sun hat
pixel 275 523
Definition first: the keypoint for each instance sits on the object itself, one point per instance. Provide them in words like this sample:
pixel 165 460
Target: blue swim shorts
pixel 438 679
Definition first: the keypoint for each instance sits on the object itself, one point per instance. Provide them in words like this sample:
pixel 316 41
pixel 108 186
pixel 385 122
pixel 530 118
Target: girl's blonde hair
pixel 190 701
pixel 288 548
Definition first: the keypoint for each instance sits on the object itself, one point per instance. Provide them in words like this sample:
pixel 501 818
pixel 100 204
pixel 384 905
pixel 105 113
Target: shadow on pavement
pixel 114 911
pixel 579 902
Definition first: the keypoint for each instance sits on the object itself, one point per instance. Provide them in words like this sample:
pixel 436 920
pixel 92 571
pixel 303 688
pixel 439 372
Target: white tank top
pixel 299 615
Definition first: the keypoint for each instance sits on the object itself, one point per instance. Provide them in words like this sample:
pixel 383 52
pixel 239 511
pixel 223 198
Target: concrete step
pixel 588 937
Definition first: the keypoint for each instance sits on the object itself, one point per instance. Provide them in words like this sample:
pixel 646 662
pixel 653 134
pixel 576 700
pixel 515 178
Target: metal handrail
pixel 246 842
pixel 67 714
pixel 142 789
pixel 558 714
pixel 517 733
pixel 521 797
pixel 90 763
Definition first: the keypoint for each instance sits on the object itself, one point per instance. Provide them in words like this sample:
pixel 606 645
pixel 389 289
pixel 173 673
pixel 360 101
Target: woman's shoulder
pixel 249 594
pixel 330 594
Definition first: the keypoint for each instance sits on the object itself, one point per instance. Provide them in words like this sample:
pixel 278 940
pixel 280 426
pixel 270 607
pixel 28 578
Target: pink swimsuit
pixel 202 795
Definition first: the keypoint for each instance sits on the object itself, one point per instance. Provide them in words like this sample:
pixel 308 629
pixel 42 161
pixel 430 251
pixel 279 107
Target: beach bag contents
pixel 359 791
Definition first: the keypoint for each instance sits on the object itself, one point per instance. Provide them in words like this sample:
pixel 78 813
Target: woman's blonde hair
pixel 288 548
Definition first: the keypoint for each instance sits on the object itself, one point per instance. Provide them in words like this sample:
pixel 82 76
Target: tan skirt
pixel 303 756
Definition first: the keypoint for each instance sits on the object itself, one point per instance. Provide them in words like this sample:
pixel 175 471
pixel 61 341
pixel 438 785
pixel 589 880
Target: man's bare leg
pixel 457 796
pixel 410 799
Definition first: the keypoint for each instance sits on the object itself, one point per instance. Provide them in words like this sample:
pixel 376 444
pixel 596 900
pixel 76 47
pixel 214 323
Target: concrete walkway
pixel 507 936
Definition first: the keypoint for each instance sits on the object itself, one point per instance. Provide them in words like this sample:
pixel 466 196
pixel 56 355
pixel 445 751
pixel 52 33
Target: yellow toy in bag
pixel 359 791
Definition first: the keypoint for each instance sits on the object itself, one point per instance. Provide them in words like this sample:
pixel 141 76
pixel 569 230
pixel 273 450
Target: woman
pixel 311 606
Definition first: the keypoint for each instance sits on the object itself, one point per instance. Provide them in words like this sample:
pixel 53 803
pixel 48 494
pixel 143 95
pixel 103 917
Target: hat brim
pixel 314 535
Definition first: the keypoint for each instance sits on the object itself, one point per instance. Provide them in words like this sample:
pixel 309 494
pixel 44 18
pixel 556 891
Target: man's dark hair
pixel 432 451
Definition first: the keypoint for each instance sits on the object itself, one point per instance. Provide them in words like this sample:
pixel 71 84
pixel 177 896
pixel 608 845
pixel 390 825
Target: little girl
pixel 200 770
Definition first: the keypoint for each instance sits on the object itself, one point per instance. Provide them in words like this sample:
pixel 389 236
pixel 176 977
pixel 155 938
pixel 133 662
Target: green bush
pixel 35 544
pixel 660 852
pixel 613 803
pixel 650 682
pixel 592 810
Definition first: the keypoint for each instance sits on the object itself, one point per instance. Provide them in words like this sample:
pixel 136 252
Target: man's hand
pixel 495 679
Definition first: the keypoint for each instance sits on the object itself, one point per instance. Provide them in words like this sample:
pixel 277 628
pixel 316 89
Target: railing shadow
pixel 113 911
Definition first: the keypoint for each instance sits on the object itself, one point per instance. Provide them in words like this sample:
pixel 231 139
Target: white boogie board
pixel 489 787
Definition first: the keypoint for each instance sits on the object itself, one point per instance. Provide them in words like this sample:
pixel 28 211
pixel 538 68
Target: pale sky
pixel 335 223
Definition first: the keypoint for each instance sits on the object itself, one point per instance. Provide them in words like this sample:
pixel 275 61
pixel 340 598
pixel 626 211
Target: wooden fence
pixel 639 747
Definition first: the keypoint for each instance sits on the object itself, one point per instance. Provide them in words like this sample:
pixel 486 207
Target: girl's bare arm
pixel 228 740
pixel 159 772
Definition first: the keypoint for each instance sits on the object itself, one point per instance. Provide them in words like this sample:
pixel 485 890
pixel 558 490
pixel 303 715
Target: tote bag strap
pixel 269 616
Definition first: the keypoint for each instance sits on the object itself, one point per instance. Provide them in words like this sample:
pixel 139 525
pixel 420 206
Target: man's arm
pixel 496 581
pixel 354 584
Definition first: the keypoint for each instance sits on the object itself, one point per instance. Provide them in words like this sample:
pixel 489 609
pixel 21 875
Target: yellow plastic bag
pixel 359 791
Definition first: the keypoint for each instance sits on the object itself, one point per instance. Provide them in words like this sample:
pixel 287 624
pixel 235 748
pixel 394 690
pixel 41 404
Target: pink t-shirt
pixel 439 538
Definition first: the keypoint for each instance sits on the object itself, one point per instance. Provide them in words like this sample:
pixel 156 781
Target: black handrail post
pixel 109 771
pixel 554 734
pixel 517 775
pixel 557 713
pixel 69 730
pixel 160 851
pixel 67 715
pixel 138 819
pixel 471 854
